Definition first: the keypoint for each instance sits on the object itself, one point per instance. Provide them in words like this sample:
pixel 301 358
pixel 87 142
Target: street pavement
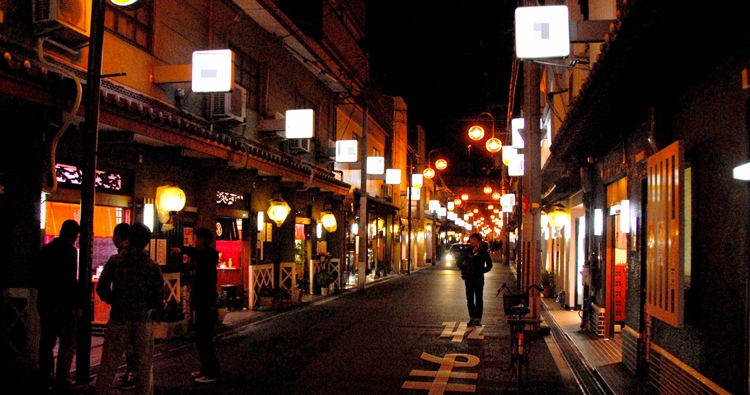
pixel 371 342
pixel 393 338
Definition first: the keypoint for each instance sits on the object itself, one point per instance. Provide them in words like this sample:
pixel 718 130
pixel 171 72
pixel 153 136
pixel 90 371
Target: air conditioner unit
pixel 299 145
pixel 229 106
pixel 68 19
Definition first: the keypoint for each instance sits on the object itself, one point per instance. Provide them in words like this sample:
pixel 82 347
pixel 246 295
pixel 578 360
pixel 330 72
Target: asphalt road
pixel 371 342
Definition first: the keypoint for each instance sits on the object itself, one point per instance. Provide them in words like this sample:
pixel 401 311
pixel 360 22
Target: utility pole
pixel 88 189
pixel 363 231
pixel 532 180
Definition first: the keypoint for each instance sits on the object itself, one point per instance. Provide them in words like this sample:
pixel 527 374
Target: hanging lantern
pixel 464 196
pixel 429 172
pixel 170 198
pixel 496 195
pixel 441 164
pixel 476 132
pixel 487 190
pixel 458 202
pixel 278 210
pixel 494 145
pixel 329 221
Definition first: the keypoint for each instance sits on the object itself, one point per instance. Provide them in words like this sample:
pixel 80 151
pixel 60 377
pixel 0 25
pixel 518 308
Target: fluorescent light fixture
pixel 346 151
pixel 625 216
pixel 375 165
pixel 148 215
pixel 417 180
pixel 742 172
pixel 542 32
pixel 319 230
pixel 355 228
pixel 416 193
pixel 300 124
pixel 515 168
pixel 43 212
pixel 213 71
pixel 393 176
pixel 598 222
pixel 516 125
pixel 261 218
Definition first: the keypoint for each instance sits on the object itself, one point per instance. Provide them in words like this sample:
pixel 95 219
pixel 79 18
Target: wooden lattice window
pixel 664 265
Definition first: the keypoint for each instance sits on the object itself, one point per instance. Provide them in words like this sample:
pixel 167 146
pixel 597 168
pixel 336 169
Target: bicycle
pixel 515 306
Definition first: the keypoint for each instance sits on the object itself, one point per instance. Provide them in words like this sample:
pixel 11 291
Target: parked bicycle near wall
pixel 515 306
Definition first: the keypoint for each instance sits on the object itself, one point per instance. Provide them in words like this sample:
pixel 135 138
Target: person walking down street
pixel 473 266
pixel 120 238
pixel 132 284
pixel 204 302
pixel 60 305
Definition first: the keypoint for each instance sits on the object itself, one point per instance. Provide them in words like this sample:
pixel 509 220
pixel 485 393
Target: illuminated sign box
pixel 213 71
pixel 346 151
pixel 393 176
pixel 542 32
pixel 299 123
pixel 515 168
pixel 375 165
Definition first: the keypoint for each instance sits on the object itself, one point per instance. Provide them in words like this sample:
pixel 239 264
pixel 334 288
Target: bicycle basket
pixel 510 301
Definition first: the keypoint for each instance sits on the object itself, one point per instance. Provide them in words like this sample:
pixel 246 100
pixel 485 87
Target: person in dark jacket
pixel 132 284
pixel 60 304
pixel 204 301
pixel 474 264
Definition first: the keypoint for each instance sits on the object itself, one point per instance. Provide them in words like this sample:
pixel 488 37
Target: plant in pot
pixel 547 279
pixel 170 321
pixel 266 295
pixel 302 286
pixel 222 307
pixel 324 279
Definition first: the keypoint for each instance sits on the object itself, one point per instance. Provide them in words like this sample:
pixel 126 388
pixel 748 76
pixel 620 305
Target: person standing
pixel 132 284
pixel 204 301
pixel 120 238
pixel 60 304
pixel 473 266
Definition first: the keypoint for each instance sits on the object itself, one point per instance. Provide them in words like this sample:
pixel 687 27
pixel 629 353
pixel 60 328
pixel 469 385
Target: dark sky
pixel 450 61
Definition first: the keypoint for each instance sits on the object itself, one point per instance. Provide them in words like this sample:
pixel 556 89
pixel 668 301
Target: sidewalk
pixel 602 358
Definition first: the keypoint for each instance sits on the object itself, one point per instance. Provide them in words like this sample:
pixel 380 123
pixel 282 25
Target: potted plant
pixel 547 279
pixel 170 322
pixel 302 286
pixel 222 307
pixel 324 279
pixel 266 295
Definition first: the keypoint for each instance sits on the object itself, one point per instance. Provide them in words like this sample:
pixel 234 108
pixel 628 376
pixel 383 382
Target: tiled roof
pixel 124 102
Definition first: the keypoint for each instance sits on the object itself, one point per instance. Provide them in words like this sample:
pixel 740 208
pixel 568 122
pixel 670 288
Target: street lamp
pixel 476 133
pixel 440 164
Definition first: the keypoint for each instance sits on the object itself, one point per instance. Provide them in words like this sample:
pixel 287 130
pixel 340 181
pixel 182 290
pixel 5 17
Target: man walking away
pixel 60 304
pixel 132 284
pixel 473 266
pixel 204 301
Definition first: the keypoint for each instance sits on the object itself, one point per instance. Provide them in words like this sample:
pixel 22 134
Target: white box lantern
pixel 300 124
pixel 213 71
pixel 542 32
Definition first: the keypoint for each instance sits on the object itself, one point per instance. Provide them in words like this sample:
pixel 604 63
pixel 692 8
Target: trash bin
pixel 231 291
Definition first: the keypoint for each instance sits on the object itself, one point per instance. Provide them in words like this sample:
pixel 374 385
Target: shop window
pixel 247 73
pixel 665 267
pixel 131 24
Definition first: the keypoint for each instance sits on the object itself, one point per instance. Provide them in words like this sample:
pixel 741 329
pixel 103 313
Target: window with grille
pixel 131 24
pixel 664 263
pixel 247 73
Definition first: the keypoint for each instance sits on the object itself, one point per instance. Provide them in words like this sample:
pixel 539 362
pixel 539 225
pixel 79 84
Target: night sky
pixel 450 61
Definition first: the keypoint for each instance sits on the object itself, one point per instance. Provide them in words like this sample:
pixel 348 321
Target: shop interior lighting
pixel 625 216
pixel 598 222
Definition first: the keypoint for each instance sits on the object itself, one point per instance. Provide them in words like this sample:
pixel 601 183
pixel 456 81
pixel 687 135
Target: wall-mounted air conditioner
pixel 229 106
pixel 299 145
pixel 69 20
